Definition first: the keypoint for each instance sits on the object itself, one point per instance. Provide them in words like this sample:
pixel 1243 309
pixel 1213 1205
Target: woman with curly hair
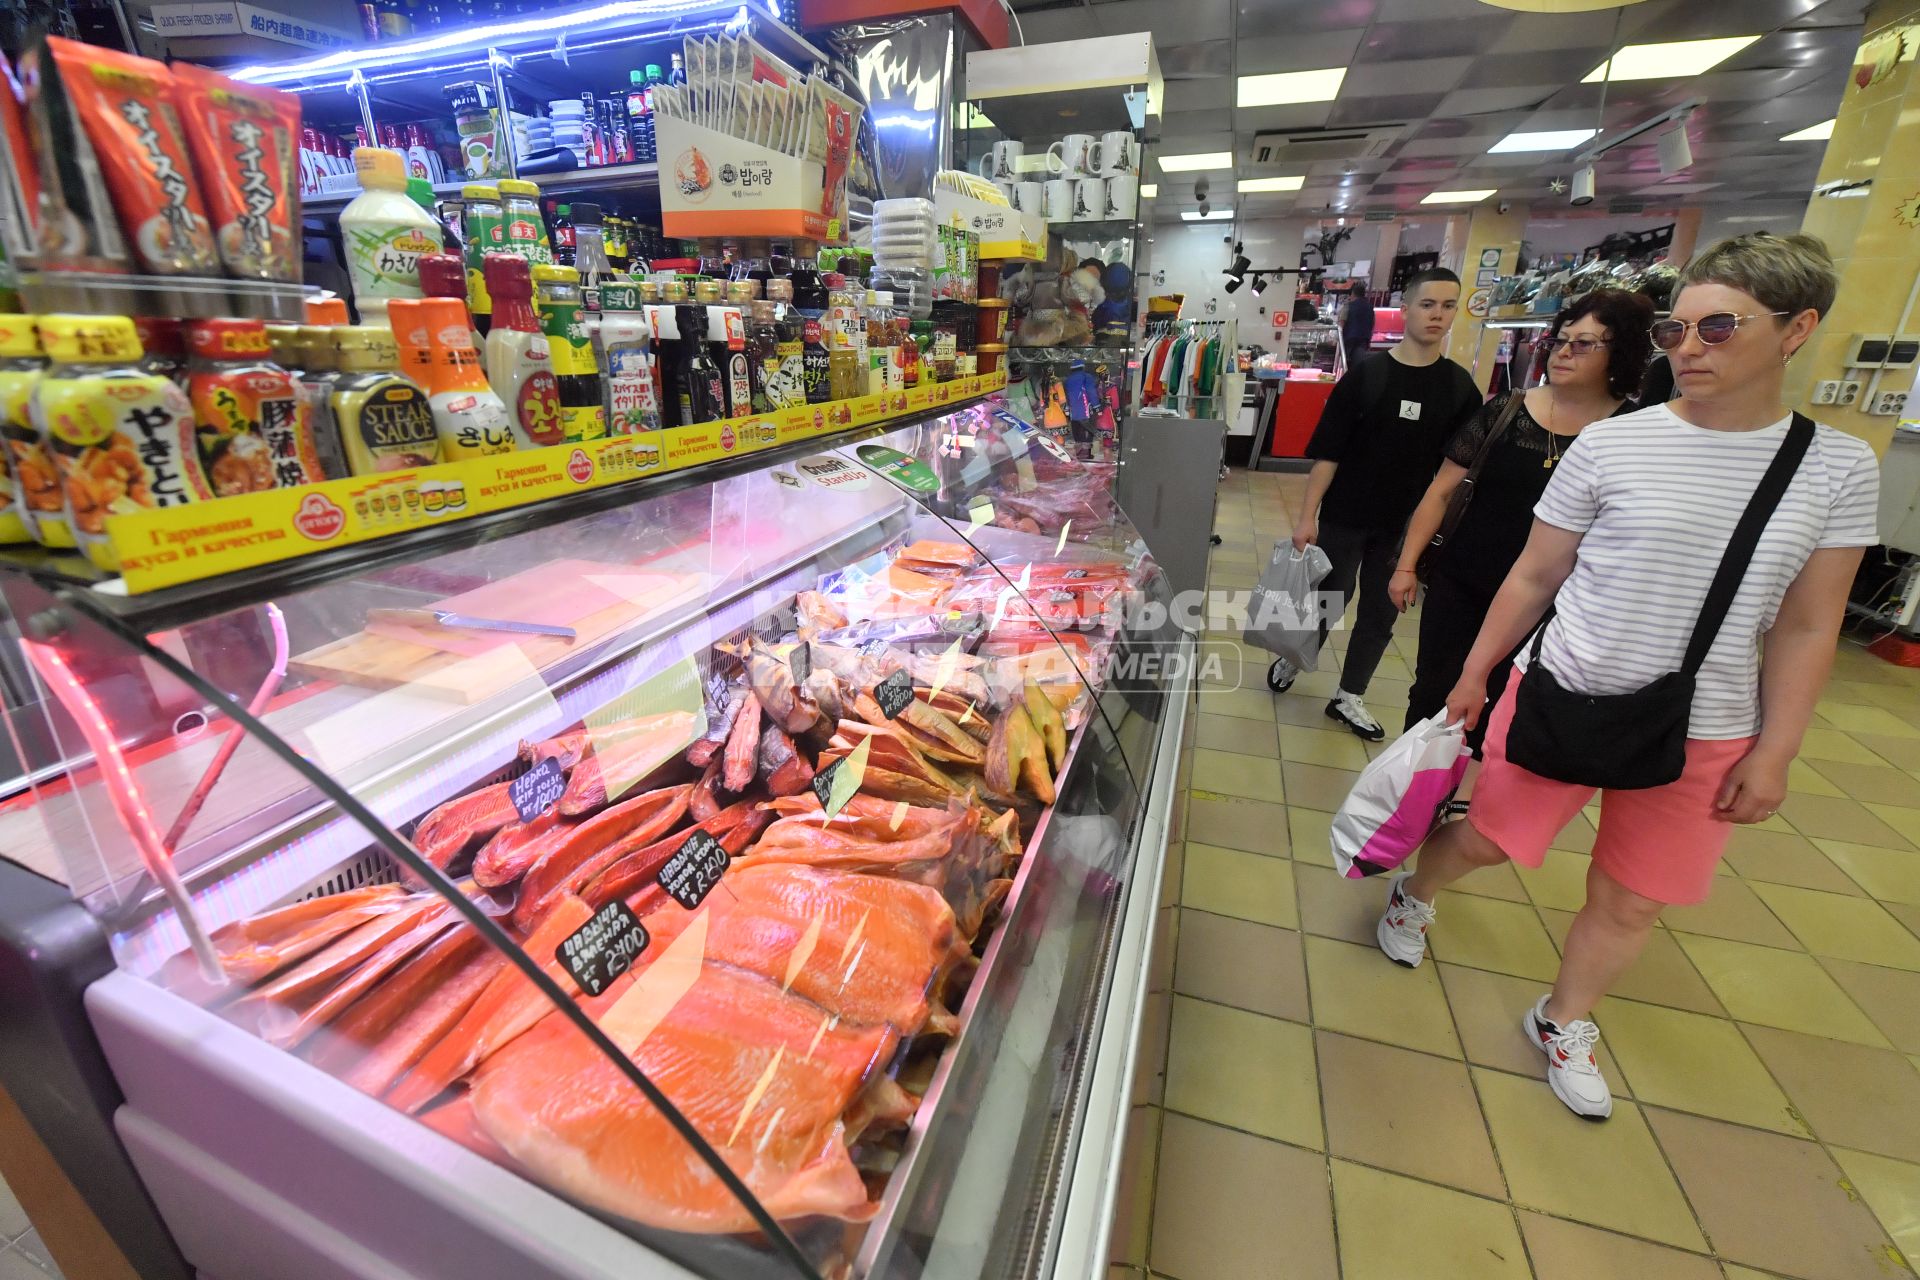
pixel 1596 353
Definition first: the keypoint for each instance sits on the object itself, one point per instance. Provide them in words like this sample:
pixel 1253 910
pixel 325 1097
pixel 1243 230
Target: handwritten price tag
pixel 537 790
pixel 603 948
pixel 894 694
pixel 695 867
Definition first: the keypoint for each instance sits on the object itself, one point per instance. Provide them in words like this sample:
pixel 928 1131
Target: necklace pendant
pixel 1546 464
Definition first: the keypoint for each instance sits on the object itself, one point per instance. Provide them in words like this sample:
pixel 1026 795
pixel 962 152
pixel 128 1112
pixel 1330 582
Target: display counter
pixel 750 877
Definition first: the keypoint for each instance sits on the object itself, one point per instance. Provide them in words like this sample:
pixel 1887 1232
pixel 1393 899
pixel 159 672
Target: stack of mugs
pixel 1094 178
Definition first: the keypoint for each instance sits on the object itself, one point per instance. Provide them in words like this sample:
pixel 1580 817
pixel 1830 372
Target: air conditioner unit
pixel 1310 146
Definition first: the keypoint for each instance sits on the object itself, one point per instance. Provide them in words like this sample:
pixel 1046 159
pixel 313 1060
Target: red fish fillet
pixel 444 833
pixel 735 827
pixel 764 1077
pixel 866 948
pixel 781 765
pixel 355 1032
pixel 515 847
pixel 612 767
pixel 737 762
pixel 705 800
pixel 567 748
pixel 865 815
pixel 594 844
pixel 254 948
pixel 287 1019
pixel 506 1008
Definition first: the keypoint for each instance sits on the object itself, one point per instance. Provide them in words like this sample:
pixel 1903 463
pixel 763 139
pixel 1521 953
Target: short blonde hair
pixel 1786 273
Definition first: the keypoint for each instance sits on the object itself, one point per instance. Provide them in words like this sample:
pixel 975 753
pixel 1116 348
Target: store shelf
pixel 188 297
pixel 610 178
pixel 1104 228
pixel 334 201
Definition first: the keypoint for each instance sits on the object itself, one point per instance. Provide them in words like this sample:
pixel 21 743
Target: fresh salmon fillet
pixel 612 767
pixel 764 1076
pixel 865 948
pixel 444 833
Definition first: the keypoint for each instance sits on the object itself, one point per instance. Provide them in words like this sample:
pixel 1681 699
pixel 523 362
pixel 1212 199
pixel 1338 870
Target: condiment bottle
pixel 20 458
pixel 386 422
pixel 880 341
pixel 920 353
pixel 314 385
pixel 816 357
pixel 906 350
pixel 526 230
pixel 632 403
pixel 385 233
pixel 326 311
pixel 469 418
pixel 583 412
pixel 727 333
pixel 669 359
pixel 564 242
pixel 163 339
pixel 253 435
pixel 590 253
pixel 788 387
pixel 120 439
pixel 763 355
pixel 703 394
pixel 519 361
pixel 444 275
pixel 483 230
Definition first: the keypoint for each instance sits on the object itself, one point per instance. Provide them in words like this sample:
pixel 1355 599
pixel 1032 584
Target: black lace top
pixel 1498 520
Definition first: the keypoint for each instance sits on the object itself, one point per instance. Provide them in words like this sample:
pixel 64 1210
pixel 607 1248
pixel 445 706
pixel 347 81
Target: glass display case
pixel 749 879
pixel 1062 130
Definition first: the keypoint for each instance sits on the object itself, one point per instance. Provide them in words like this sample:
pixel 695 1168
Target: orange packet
pixel 17 155
pixel 244 142
pixel 123 104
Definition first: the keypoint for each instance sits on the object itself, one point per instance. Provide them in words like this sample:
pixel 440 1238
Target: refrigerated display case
pixel 778 905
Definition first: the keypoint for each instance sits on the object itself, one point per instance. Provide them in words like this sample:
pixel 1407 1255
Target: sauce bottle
pixel 880 336
pixel 564 242
pixel 669 360
pixel 632 398
pixel 763 355
pixel 703 394
pixel 583 413
pixel 444 275
pixel 469 418
pixel 590 253
pixel 787 387
pixel 483 230
pixel 816 358
pixel 314 385
pixel 727 331
pixel 20 458
pixel 386 423
pixel 163 340
pixel 519 362
pixel 120 439
pixel 385 233
pixel 252 433
pixel 526 230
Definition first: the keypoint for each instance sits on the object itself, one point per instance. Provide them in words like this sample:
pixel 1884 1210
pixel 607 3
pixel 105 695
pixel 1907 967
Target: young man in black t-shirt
pixel 1379 442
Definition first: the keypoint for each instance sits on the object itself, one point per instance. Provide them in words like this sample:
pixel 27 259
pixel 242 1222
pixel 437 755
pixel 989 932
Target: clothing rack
pixel 1189 367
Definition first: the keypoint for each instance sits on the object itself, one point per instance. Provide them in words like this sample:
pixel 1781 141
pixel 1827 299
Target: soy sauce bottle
pixel 703 390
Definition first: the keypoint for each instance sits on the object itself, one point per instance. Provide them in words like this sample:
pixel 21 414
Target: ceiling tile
pixel 1414 106
pixel 1422 148
pixel 1308 51
pixel 1411 10
pixel 1287 18
pixel 1392 42
pixel 1211 92
pixel 1201 60
pixel 1473 102
pixel 1419 75
pixel 1687 20
pixel 1535 32
pixel 1554 67
pixel 1293 115
pixel 1179 23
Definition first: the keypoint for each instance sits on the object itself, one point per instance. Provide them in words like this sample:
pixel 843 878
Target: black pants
pixel 1450 621
pixel 1369 556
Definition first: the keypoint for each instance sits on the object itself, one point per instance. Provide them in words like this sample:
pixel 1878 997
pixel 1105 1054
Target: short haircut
pixel 1432 275
pixel 1627 316
pixel 1786 273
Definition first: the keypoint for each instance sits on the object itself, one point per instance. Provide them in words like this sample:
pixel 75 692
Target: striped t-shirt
pixel 1656 499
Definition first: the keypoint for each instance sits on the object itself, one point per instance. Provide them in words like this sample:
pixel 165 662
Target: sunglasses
pixel 1574 346
pixel 1713 330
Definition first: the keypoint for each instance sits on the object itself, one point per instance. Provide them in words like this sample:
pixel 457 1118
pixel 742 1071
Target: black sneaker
pixel 1350 711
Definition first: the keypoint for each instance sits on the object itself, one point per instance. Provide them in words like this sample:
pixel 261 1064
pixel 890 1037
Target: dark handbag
pixel 1462 495
pixel 1632 741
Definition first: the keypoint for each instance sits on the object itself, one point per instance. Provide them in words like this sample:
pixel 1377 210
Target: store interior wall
pixel 1191 258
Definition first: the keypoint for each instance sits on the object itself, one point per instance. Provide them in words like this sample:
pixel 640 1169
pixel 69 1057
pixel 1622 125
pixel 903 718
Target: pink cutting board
pixel 558 594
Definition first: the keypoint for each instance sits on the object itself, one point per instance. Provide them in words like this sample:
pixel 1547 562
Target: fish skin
pixel 437 1009
pixel 287 1012
pixel 723 699
pixel 648 741
pixel 595 843
pixel 734 826
pixel 738 760
pixel 785 771
pixel 567 748
pixel 514 848
pixel 261 946
pixel 705 800
pixel 865 814
pixel 772 682
pixel 445 832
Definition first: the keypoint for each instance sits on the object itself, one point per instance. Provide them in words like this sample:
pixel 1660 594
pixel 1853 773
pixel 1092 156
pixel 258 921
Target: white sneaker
pixel 1281 675
pixel 1402 930
pixel 1349 710
pixel 1571 1067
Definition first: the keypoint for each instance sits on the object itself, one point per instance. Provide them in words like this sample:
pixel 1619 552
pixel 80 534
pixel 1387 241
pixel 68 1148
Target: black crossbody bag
pixel 1632 741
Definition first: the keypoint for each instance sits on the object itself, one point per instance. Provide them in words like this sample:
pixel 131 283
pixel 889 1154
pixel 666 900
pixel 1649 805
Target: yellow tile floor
pixel 1307 1109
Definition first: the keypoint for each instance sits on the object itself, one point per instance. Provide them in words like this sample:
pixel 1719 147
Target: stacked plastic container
pixel 904 243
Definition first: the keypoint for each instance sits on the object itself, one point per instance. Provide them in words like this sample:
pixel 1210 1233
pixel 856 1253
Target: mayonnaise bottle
pixel 385 233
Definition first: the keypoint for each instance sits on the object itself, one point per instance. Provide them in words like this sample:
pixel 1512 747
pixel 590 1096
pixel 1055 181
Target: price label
pixel 836 784
pixel 603 948
pixel 537 790
pixel 695 867
pixel 800 662
pixel 894 694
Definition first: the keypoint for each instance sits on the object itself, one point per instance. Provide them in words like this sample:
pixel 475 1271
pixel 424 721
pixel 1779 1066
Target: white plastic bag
pixel 1397 799
pixel 1283 616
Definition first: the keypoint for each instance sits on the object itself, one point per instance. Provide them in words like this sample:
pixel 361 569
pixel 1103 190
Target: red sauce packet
pixel 123 104
pixel 244 140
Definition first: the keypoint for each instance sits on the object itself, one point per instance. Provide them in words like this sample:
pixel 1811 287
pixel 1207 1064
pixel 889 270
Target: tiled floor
pixel 1323 1113
pixel 22 1255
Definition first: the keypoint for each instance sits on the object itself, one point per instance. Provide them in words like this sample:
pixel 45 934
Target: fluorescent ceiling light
pixel 1290 86
pixel 1197 160
pixel 1271 184
pixel 1212 215
pixel 1666 61
pixel 1551 140
pixel 1149 189
pixel 1812 133
pixel 1457 197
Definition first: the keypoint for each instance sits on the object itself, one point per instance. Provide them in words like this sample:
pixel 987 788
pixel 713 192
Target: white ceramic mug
pixel 1059 199
pixel 1006 189
pixel 1002 163
pixel 1072 156
pixel 1031 197
pixel 1115 153
pixel 1089 199
pixel 1123 196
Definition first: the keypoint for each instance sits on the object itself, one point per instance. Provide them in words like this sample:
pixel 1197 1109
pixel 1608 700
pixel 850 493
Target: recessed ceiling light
pixel 1457 197
pixel 1196 160
pixel 1551 140
pixel 1665 61
pixel 1149 190
pixel 1271 184
pixel 1812 133
pixel 1213 215
pixel 1290 86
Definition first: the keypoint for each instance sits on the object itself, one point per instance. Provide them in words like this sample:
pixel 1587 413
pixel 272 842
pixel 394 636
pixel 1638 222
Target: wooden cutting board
pixel 596 600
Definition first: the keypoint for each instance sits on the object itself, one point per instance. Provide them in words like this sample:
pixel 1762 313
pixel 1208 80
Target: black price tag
pixel 603 948
pixel 695 867
pixel 538 789
pixel 894 694
pixel 800 662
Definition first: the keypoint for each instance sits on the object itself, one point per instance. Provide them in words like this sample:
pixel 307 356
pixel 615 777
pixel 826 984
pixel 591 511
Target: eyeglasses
pixel 1713 330
pixel 1574 346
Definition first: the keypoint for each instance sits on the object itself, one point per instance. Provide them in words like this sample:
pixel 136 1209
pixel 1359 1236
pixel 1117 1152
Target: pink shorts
pixel 1663 843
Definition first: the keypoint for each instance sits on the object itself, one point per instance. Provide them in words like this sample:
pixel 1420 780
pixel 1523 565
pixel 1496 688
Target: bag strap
pixel 1509 410
pixel 1746 536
